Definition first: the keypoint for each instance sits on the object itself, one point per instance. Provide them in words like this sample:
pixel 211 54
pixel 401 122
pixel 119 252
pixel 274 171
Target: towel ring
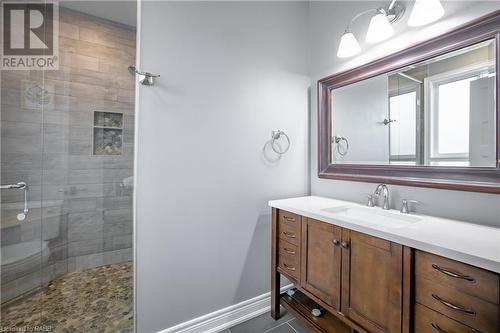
pixel 337 140
pixel 275 136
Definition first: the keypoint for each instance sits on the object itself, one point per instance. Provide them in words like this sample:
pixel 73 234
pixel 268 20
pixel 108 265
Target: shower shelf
pixel 108 133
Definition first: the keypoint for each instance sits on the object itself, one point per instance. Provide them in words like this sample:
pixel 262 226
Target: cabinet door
pixel 372 282
pixel 321 260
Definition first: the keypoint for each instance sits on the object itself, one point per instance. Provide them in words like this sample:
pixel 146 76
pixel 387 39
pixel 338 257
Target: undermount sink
pixel 374 216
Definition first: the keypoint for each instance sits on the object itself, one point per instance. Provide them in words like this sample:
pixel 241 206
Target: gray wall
pixel 230 73
pixel 333 17
pixel 362 106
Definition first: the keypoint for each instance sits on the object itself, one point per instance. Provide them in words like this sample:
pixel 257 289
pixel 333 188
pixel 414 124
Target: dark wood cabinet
pixel 372 282
pixel 321 261
pixel 466 295
pixel 366 284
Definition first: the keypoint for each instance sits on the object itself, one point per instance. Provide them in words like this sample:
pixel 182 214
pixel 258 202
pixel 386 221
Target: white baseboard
pixel 227 317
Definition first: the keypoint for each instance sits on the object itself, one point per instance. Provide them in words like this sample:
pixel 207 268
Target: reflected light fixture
pixel 379 29
pixel 425 12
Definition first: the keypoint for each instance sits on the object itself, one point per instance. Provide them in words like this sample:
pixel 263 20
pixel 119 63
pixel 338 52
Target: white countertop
pixel 474 244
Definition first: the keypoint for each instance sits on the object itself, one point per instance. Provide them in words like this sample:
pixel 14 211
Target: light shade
pixel 425 12
pixel 348 46
pixel 379 29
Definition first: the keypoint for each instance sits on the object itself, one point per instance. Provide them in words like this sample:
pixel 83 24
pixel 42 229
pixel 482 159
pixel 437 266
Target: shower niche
pixel 108 133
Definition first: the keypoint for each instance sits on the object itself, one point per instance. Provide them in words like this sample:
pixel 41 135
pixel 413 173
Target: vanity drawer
pixel 429 321
pixel 470 280
pixel 288 249
pixel 289 233
pixel 467 309
pixel 289 265
pixel 289 218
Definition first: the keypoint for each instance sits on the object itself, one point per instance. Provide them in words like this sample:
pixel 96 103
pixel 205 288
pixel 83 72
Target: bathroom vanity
pixel 373 270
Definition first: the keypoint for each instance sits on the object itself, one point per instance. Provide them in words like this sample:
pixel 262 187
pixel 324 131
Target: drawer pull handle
pixel 452 274
pixel 288 234
pixel 454 307
pixel 440 330
pixel 288 218
pixel 289 251
pixel 437 328
pixel 289 267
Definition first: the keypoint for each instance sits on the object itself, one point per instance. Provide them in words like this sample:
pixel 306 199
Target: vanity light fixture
pixel 380 28
pixel 425 12
pixel 348 46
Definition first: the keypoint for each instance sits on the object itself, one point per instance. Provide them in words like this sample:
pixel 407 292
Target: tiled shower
pixel 69 134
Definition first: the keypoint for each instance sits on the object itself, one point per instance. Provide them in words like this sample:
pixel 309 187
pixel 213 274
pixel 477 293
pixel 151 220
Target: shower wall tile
pixel 99 259
pixel 10 235
pixel 85 176
pixel 90 246
pixel 118 242
pixel 101 25
pixel 21 285
pixel 105 39
pixel 122 55
pixel 15 114
pixel 69 30
pixel 17 162
pixel 74 60
pixel 85 226
pixel 102 78
pixel 54 270
pixel 24 145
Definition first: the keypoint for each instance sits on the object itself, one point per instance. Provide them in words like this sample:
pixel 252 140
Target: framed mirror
pixel 425 116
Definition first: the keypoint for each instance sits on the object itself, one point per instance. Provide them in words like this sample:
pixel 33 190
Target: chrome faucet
pixel 384 190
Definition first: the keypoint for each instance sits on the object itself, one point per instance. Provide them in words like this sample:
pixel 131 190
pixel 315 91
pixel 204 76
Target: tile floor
pixel 265 324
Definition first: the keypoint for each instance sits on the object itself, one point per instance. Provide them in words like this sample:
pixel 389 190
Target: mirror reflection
pixel 440 112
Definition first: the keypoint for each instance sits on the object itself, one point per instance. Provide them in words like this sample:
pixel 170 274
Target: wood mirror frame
pixel 478 179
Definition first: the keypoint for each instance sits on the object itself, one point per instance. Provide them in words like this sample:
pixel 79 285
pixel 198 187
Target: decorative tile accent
pixel 37 95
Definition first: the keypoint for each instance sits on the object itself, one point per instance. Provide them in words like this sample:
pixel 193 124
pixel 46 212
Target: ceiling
pixel 121 11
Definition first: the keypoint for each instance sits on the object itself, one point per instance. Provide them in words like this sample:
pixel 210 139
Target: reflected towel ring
pixel 275 136
pixel 337 140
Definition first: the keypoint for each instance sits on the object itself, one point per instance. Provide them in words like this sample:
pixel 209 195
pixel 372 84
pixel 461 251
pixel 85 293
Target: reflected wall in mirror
pixel 440 112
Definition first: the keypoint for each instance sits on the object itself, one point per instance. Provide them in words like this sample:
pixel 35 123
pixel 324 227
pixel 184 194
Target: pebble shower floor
pixel 93 300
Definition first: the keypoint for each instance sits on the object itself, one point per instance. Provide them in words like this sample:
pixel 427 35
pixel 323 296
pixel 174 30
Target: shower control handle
pixel 19 186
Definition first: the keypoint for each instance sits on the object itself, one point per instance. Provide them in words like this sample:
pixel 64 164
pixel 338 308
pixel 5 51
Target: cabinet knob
pixel 344 245
pixel 335 242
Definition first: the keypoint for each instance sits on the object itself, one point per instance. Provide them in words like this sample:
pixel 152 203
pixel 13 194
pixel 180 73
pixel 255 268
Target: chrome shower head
pixel 146 78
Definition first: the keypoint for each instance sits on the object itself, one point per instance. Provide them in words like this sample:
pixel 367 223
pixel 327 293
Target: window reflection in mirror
pixel 436 113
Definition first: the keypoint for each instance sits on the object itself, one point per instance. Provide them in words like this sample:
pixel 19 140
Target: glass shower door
pixel 68 132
